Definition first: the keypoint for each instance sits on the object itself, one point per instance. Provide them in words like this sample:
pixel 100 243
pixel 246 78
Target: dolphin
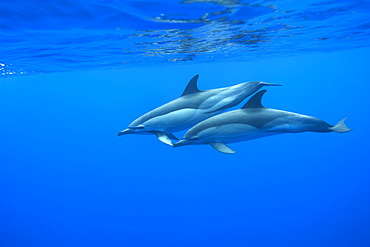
pixel 253 121
pixel 192 107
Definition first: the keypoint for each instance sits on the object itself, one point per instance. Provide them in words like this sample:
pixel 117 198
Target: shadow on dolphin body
pixel 192 107
pixel 253 121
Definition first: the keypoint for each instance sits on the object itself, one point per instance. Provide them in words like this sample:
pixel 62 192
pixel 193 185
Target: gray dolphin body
pixel 192 107
pixel 252 121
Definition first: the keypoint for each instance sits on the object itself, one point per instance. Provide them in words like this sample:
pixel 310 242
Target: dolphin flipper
pixel 222 147
pixel 165 138
pixel 172 137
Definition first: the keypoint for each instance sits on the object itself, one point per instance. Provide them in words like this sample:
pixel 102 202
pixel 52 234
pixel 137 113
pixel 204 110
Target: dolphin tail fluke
pixel 340 127
pixel 222 147
pixel 269 84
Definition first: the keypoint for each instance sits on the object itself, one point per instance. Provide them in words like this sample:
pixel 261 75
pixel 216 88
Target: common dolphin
pixel 192 107
pixel 253 121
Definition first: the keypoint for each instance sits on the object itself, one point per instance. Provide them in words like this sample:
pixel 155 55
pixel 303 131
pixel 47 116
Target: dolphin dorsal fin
pixel 192 86
pixel 255 101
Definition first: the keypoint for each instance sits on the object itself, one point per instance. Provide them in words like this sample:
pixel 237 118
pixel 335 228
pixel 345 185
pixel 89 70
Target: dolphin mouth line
pixel 125 132
pixel 180 143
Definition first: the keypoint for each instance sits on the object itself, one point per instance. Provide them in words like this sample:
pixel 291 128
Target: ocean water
pixel 74 73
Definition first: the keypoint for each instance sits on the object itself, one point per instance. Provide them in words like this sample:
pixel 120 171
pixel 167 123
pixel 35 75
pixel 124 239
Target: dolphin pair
pixel 192 107
pixel 253 121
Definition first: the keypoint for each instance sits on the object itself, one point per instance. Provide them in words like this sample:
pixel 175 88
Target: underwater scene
pixel 184 123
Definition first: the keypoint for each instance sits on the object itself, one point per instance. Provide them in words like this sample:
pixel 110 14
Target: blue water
pixel 74 73
pixel 65 35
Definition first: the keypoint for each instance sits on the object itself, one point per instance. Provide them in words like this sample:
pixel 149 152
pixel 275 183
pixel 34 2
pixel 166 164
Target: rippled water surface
pixel 50 36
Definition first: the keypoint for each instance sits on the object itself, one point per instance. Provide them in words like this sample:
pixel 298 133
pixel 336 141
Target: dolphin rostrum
pixel 253 121
pixel 192 107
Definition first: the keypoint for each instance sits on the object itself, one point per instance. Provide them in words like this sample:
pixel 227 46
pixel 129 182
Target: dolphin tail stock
pixel 269 84
pixel 340 127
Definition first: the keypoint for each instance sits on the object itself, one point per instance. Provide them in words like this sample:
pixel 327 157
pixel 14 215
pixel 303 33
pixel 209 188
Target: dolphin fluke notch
pixel 341 127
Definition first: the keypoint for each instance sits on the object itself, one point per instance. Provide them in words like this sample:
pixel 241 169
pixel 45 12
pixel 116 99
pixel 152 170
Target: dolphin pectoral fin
pixel 340 127
pixel 172 137
pixel 222 147
pixel 163 138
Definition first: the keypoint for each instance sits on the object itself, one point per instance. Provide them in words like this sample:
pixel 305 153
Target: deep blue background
pixel 66 179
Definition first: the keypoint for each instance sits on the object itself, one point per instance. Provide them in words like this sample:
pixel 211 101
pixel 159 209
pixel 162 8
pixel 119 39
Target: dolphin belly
pixel 230 133
pixel 171 121
pixel 177 120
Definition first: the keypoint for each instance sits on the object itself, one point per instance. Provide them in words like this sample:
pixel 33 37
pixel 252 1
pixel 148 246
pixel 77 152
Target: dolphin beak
pixel 269 84
pixel 180 143
pixel 125 132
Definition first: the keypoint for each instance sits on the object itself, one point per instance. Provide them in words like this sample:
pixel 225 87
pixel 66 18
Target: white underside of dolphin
pixel 192 107
pixel 250 122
